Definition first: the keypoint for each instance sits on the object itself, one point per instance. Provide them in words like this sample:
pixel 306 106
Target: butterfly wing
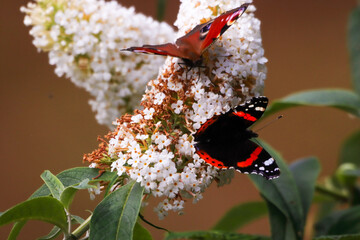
pixel 224 141
pixel 225 126
pixel 214 29
pixel 251 110
pixel 191 46
pixel 246 157
pixel 167 49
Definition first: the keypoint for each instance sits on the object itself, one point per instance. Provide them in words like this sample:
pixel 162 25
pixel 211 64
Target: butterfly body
pixel 192 45
pixel 224 141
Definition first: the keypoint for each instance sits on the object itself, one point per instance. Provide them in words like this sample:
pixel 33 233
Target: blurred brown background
pixel 46 122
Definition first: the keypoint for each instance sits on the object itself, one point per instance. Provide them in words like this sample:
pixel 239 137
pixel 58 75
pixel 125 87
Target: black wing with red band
pixel 224 141
pixel 251 110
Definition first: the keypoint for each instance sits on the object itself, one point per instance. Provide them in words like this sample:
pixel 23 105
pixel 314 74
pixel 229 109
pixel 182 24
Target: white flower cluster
pixel 84 39
pixel 159 152
pixel 156 169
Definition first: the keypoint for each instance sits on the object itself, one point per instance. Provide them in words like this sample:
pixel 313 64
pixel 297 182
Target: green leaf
pixel 111 183
pixel 337 98
pixel 75 176
pixel 115 217
pixel 55 231
pixel 67 197
pixel 339 237
pixel 141 233
pixel 46 209
pixel 77 219
pixel 68 177
pixel 16 230
pixel 283 194
pixel 68 194
pixel 354 47
pixel 350 152
pixel 281 226
pixel 325 209
pixel 240 215
pixel 53 183
pixel 340 222
pixel 213 235
pixel 305 173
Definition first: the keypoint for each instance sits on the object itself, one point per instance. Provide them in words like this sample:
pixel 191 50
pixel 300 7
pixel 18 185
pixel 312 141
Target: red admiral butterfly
pixel 224 141
pixel 191 46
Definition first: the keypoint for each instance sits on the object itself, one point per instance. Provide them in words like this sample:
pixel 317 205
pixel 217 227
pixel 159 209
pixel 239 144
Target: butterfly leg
pixel 184 66
pixel 230 55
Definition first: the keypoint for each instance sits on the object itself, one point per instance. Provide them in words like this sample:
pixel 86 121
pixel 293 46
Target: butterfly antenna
pixel 267 124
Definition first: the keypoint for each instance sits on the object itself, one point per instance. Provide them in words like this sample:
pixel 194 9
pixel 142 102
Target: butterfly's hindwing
pixel 258 162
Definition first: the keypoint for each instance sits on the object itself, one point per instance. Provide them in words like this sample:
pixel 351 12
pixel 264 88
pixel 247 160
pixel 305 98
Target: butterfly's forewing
pixel 224 126
pixel 168 49
pixel 251 110
pixel 211 32
pixel 195 42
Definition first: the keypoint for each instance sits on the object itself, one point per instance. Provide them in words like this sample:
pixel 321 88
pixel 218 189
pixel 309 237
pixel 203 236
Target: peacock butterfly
pixel 192 45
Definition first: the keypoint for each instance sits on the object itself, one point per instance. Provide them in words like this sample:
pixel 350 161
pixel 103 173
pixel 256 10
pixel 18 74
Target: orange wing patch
pixel 253 156
pixel 206 125
pixel 245 116
pixel 212 161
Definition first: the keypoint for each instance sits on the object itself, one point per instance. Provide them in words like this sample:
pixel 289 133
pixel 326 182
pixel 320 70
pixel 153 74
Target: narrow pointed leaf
pixel 46 209
pixel 305 173
pixel 115 217
pixel 350 152
pixel 283 194
pixel 340 222
pixel 75 176
pixel 345 100
pixel 77 219
pixel 213 235
pixel 240 215
pixel 53 183
pixel 354 47
pixel 55 231
pixel 141 233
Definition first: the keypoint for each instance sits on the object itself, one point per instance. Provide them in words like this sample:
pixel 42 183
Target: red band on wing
pixel 253 156
pixel 206 125
pixel 245 116
pixel 210 160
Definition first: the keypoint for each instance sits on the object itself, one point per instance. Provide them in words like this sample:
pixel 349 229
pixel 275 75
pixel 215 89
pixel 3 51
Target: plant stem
pixel 161 5
pixel 332 193
pixel 78 232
